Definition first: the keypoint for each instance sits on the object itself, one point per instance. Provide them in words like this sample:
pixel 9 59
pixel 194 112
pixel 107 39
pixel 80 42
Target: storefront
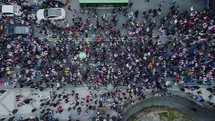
pixel 103 4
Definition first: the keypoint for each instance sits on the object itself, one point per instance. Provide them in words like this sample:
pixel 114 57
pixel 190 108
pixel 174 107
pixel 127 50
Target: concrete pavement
pixel 8 101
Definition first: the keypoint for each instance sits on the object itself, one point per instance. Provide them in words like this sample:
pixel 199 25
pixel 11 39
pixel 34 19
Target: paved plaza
pixel 8 101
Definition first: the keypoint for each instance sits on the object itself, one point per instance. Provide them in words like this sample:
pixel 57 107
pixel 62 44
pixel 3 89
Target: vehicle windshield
pixel 21 30
pixel 15 9
pixel 10 31
pixel 54 12
pixel 46 13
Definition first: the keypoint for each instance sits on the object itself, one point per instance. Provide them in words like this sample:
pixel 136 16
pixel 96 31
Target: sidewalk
pixel 8 103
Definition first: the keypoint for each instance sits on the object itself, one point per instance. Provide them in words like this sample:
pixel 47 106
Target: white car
pixel 11 10
pixel 51 14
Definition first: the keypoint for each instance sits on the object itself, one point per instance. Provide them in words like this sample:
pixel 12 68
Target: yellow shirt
pixel 150 65
pixel 10 72
pixel 87 40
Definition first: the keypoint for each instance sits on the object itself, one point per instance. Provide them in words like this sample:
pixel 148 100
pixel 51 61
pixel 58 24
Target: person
pixel 3 118
pixel 15 111
pixel 136 13
pixel 161 4
pixel 173 2
pixel 130 4
pixel 69 7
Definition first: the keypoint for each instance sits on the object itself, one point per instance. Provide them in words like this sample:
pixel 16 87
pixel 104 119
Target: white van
pixel 11 10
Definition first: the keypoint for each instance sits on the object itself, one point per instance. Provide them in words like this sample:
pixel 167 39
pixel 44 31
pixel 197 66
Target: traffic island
pixel 160 113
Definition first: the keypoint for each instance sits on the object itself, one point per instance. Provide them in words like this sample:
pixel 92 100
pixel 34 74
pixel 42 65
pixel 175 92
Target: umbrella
pixel 10 72
pixel 57 84
pixel 11 118
pixel 11 21
pixel 33 110
pixel 29 62
pixel 103 108
pixel 115 55
pixel 59 108
pixel 206 62
pixel 19 37
pixel 26 101
pixel 130 15
pixel 3 118
pixel 82 55
pixel 55 40
pixel 15 111
pixel 8 46
pixel 110 87
pixel 49 118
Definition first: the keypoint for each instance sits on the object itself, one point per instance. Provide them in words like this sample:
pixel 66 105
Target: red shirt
pixel 190 22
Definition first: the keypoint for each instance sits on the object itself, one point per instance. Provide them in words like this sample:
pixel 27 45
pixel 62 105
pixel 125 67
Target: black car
pixel 18 30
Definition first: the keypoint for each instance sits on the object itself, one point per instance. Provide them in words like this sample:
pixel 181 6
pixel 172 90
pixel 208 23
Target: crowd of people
pixel 130 56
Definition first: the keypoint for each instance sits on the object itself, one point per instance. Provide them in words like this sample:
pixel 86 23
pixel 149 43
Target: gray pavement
pixel 8 101
pixel 137 5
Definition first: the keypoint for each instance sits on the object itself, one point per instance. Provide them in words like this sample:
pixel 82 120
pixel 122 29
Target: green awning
pixel 103 1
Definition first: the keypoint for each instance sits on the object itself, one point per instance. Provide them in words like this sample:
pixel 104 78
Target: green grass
pixel 134 118
pixel 170 116
pixel 187 118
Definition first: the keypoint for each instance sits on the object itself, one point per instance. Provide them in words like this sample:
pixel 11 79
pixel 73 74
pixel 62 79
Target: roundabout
pixel 160 113
pixel 195 111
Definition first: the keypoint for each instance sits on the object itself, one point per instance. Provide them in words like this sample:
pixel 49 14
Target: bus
pixel 210 4
pixel 103 4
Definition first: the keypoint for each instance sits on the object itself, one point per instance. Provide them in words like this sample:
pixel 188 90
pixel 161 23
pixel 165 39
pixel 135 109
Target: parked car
pixel 18 30
pixel 51 14
pixel 11 10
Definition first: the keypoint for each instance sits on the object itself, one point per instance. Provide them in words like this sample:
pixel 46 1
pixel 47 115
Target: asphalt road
pixel 137 5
